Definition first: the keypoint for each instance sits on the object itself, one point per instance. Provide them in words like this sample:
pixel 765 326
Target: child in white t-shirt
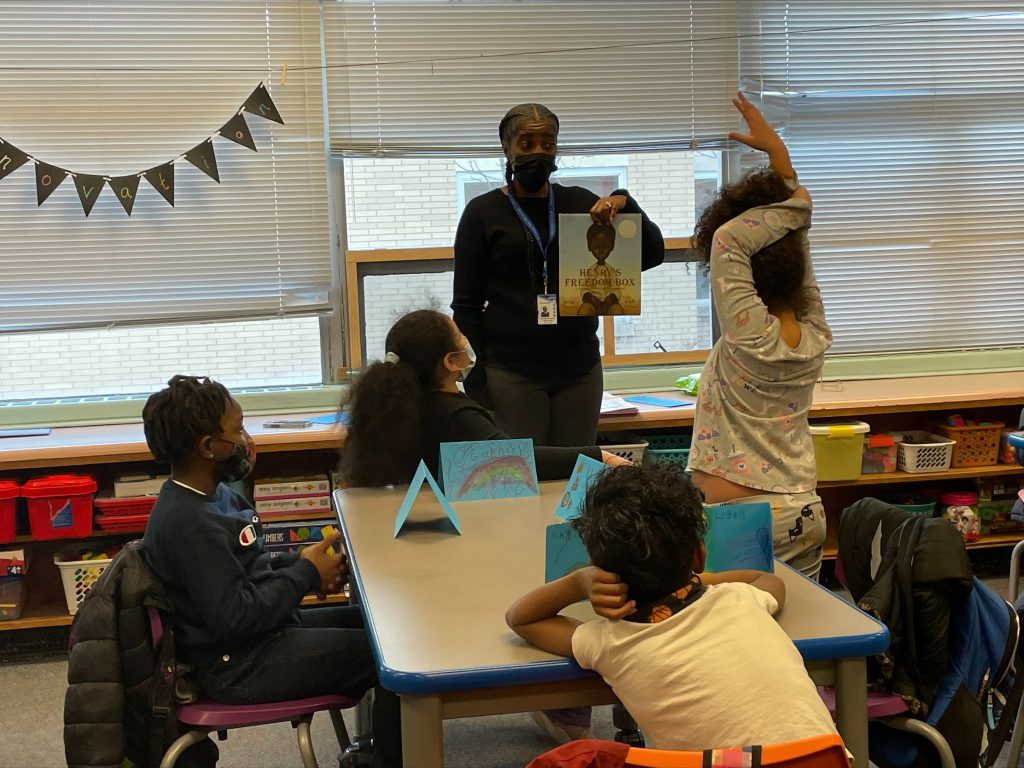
pixel 696 658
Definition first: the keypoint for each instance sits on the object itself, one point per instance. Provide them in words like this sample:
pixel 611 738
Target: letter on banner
pixel 125 187
pixel 48 178
pixel 259 103
pixel 89 188
pixel 11 158
pixel 162 180
pixel 202 157
pixel 237 130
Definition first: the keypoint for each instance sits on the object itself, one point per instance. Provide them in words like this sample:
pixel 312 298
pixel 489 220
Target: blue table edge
pixel 563 669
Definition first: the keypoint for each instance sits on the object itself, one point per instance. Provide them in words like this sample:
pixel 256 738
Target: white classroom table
pixel 434 604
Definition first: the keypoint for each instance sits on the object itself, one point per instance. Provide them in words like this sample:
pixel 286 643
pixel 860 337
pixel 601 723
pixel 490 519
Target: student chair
pixel 816 752
pixel 890 710
pixel 204 716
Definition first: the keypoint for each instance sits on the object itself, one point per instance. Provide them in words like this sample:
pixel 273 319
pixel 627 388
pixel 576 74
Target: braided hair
pixel 508 128
pixel 176 417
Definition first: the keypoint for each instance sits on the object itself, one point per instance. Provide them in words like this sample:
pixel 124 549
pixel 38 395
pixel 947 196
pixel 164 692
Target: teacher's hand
pixel 605 208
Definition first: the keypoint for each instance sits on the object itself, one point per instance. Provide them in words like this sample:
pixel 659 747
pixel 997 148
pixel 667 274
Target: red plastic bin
pixel 9 491
pixel 59 506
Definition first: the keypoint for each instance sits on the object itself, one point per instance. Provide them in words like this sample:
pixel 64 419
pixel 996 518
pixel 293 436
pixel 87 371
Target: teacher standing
pixel 540 373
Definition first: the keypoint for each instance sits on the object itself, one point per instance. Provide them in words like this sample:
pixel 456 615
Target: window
pixel 903 126
pixel 114 87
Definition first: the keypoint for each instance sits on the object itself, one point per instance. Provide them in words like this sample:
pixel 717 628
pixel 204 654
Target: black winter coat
pixel 111 666
pixel 909 573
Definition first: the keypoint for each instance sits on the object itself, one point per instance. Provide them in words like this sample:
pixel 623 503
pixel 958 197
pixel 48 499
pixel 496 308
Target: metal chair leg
pixel 182 743
pixel 340 731
pixel 305 742
pixel 927 732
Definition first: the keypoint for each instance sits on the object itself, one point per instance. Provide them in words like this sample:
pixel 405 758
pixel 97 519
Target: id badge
pixel 547 309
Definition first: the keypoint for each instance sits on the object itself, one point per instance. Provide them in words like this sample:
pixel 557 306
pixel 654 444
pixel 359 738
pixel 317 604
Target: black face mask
pixel 532 170
pixel 237 466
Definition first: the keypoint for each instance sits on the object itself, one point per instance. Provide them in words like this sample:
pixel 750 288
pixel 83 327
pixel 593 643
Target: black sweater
pixel 208 552
pixel 453 417
pixel 498 277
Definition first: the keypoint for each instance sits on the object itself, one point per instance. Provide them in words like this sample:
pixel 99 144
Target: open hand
pixel 607 593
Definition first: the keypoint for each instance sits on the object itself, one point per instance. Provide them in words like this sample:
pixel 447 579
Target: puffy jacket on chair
pixel 111 666
pixel 910 573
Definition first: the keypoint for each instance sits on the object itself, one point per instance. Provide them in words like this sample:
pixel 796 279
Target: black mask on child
pixel 532 170
pixel 237 466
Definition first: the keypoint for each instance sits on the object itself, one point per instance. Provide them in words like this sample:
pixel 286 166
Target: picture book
pixel 598 265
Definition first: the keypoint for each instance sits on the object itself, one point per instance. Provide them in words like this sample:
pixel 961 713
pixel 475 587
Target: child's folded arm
pixel 535 616
pixel 232 606
pixel 766 582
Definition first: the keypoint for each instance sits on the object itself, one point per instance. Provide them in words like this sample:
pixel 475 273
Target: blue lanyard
pixel 552 224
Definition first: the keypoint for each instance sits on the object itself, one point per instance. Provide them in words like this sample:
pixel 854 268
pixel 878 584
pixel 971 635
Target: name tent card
pixel 739 537
pixel 422 473
pixel 489 469
pixel 563 552
pixel 571 504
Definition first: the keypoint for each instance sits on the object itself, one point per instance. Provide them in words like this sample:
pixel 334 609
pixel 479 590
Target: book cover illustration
pixel 598 265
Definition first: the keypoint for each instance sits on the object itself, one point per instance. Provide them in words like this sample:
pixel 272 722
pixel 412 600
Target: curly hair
pixel 385 440
pixel 779 268
pixel 174 418
pixel 643 523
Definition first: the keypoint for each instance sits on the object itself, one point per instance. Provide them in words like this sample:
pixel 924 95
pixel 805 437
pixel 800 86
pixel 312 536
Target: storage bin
pixel 926 509
pixel 838 447
pixel 627 445
pixel 60 506
pixel 976 445
pixel 879 454
pixel 9 492
pixel 78 576
pixel 127 515
pixel 668 449
pixel 12 597
pixel 920 451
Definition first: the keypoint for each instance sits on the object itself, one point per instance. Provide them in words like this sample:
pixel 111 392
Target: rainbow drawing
pixel 499 477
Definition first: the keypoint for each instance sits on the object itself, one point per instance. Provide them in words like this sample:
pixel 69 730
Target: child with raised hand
pixel 696 658
pixel 751 439
pixel 236 607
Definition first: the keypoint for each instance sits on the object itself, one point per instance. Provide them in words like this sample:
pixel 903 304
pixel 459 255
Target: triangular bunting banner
pixel 237 130
pixel 202 157
pixel 11 158
pixel 259 103
pixel 162 179
pixel 125 187
pixel 48 178
pixel 89 188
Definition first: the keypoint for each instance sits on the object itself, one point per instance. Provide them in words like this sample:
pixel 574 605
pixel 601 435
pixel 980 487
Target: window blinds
pixel 112 87
pixel 904 121
pixel 418 77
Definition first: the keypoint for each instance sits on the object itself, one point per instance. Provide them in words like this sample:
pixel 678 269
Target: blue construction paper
pixel 422 473
pixel 563 551
pixel 489 469
pixel 661 402
pixel 739 536
pixel 330 418
pixel 571 505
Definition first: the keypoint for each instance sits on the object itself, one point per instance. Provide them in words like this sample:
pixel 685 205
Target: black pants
pixel 552 412
pixel 329 653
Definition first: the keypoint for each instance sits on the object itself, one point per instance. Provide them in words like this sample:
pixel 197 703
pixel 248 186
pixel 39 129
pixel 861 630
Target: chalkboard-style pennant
pixel 259 103
pixel 11 158
pixel 202 157
pixel 125 187
pixel 162 180
pixel 48 178
pixel 237 130
pixel 89 188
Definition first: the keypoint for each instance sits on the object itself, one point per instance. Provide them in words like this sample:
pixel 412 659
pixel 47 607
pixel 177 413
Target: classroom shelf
pixel 36 616
pixel 920 477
